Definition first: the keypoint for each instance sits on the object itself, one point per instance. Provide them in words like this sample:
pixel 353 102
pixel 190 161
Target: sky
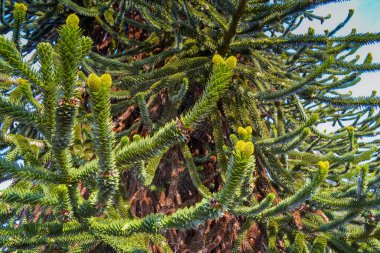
pixel 365 19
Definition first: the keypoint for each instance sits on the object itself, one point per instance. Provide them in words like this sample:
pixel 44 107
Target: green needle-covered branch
pixel 25 172
pixel 149 147
pixel 45 53
pixel 301 195
pixel 131 139
pixel 11 56
pixel 103 136
pixel 69 51
pixel 193 172
pixel 216 88
pixel 251 212
pixel 19 14
pixel 238 167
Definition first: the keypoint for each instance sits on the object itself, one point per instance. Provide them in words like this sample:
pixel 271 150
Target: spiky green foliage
pixel 178 147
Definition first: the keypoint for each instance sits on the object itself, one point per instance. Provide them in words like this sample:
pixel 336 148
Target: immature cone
pixel 72 20
pixel 271 196
pixel 93 82
pixel 242 131
pixel 234 138
pixel 246 149
pixel 217 59
pixel 136 137
pixel 125 140
pixel 239 145
pixel 20 7
pixel 324 165
pixel 350 129
pixel 19 14
pixel 245 131
pixel 231 62
pixel 106 80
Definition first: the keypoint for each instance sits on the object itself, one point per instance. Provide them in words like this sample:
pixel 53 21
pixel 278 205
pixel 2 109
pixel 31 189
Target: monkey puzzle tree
pixel 184 126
